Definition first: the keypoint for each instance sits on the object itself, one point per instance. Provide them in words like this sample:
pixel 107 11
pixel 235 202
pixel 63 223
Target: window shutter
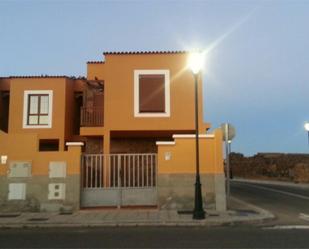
pixel 151 93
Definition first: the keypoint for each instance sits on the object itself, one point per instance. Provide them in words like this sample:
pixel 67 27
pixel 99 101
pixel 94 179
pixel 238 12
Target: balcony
pixel 91 116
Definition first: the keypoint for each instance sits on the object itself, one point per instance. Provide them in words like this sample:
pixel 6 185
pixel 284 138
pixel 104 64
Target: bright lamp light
pixel 306 126
pixel 196 61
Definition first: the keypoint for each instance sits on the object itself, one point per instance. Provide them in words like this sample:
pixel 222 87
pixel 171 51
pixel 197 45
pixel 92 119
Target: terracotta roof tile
pixel 95 62
pixel 38 76
pixel 43 76
pixel 146 52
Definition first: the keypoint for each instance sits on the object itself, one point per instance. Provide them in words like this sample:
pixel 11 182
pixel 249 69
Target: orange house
pixel 122 136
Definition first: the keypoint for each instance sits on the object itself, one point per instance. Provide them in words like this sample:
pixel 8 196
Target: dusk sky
pixel 256 74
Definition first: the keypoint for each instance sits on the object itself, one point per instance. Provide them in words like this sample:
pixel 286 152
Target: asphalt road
pixel 290 204
pixel 155 237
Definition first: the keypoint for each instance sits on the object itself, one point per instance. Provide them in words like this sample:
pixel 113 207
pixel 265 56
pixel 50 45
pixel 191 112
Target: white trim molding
pixel 165 143
pixel 74 143
pixel 166 74
pixel 50 109
pixel 193 136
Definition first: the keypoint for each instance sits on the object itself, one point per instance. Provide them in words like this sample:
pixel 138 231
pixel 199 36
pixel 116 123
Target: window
pixel 49 145
pixel 37 109
pixel 151 93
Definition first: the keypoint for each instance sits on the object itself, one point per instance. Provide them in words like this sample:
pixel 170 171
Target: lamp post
pixel 306 126
pixel 195 64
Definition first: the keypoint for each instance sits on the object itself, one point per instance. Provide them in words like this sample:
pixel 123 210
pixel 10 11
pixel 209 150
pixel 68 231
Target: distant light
pixel 306 126
pixel 196 61
pixel 229 141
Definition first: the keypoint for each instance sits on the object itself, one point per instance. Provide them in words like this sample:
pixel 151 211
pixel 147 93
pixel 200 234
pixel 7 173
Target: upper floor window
pixel 37 109
pixel 151 93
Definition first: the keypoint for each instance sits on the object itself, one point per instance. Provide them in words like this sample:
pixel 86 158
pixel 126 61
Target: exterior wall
pixel 176 191
pixel 96 70
pixel 177 168
pixel 119 81
pixel 23 147
pixel 37 194
pixel 58 86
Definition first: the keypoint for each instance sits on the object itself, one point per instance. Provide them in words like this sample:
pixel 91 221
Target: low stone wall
pixel 277 166
pixel 37 194
pixel 176 191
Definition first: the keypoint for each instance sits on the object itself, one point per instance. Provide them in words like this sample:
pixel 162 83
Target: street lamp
pixel 306 126
pixel 195 64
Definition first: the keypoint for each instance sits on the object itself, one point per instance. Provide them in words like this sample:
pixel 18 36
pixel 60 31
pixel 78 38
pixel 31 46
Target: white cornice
pixel 74 143
pixel 193 136
pixel 165 143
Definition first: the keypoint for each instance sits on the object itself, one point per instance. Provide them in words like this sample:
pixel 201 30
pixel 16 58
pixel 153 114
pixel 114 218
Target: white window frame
pixel 50 109
pixel 166 74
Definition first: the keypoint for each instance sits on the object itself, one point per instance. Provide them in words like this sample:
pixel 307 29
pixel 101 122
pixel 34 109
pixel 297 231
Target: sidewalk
pixel 239 213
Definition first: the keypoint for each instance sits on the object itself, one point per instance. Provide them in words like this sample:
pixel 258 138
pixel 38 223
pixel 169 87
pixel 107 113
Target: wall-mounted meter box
pixel 56 191
pixel 19 169
pixel 57 169
pixel 17 191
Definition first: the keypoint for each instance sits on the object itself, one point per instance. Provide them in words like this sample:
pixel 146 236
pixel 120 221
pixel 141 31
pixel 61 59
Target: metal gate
pixel 119 180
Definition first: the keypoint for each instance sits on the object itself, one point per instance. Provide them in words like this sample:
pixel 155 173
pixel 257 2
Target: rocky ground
pixel 273 166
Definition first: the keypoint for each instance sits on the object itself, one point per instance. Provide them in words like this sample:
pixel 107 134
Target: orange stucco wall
pixel 62 110
pixel 182 154
pixel 118 75
pixel 58 86
pixel 23 147
pixel 120 72
pixel 96 70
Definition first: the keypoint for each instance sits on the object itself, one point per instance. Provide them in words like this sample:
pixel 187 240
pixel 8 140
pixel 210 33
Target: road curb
pixel 272 182
pixel 235 221
pixel 267 214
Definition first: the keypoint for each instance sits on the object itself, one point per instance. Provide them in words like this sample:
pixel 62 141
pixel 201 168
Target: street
pixel 289 230
pixel 290 204
pixel 155 237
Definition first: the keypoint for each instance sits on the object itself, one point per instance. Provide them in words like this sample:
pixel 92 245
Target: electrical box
pixel 17 191
pixel 3 159
pixel 57 169
pixel 19 169
pixel 167 156
pixel 56 191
